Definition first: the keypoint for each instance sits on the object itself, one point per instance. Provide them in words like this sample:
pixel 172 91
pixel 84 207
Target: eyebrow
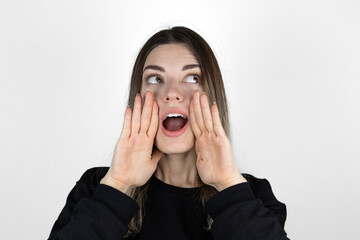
pixel 161 69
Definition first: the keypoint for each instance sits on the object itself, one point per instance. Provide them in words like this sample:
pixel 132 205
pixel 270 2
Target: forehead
pixel 172 53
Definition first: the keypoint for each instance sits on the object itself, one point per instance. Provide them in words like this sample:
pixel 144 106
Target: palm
pixel 133 161
pixel 214 158
pixel 136 147
pixel 215 161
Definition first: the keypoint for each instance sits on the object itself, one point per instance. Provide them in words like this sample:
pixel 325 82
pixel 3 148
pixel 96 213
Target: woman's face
pixel 171 72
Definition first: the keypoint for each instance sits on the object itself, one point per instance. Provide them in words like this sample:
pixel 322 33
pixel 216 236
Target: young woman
pixel 173 174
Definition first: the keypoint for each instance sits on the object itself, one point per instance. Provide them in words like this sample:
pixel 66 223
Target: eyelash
pixel 156 75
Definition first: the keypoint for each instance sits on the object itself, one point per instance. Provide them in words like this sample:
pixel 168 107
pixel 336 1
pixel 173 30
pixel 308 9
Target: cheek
pixel 147 88
pixel 144 90
pixel 199 87
pixel 189 90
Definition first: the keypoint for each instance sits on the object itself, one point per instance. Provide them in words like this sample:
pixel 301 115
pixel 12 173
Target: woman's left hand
pixel 215 160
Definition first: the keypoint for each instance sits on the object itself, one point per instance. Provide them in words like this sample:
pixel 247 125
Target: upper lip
pixel 173 110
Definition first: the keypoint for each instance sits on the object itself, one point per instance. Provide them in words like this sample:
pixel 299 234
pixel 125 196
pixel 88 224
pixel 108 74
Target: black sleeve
pixel 101 212
pixel 239 214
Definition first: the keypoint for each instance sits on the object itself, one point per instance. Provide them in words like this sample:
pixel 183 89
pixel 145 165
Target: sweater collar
pixel 171 189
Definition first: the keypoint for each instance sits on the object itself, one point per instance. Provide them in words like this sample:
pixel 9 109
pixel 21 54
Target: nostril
pixel 172 96
pixel 177 98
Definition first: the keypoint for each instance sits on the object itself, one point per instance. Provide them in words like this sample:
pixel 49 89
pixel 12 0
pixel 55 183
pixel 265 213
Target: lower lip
pixel 174 133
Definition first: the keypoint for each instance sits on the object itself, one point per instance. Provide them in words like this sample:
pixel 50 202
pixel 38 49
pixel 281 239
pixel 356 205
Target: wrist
pixel 124 188
pixel 231 182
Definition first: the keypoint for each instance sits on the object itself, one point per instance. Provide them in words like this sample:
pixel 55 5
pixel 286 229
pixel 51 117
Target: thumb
pixel 157 154
pixel 197 148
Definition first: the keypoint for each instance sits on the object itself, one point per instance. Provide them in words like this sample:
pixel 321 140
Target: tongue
pixel 174 123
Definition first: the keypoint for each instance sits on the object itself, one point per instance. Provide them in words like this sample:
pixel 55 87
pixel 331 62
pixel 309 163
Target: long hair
pixel 212 84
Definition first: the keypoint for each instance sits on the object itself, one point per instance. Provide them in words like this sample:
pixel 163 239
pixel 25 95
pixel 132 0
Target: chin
pixel 177 145
pixel 169 149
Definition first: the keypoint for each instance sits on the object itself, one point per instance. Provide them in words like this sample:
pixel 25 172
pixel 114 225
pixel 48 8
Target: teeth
pixel 175 115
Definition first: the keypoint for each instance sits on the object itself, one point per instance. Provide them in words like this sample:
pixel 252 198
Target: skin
pixel 202 151
pixel 175 89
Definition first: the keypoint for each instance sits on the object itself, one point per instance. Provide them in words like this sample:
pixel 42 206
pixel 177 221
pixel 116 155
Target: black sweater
pixel 96 211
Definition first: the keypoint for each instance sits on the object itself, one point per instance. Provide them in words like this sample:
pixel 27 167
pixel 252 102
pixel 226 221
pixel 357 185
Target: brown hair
pixel 213 86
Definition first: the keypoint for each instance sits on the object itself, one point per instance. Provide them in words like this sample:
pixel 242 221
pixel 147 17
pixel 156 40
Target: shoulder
pixel 92 177
pixel 256 184
pixel 262 190
pixel 260 187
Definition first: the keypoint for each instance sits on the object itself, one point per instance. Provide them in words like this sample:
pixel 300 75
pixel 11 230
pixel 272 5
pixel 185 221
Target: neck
pixel 179 169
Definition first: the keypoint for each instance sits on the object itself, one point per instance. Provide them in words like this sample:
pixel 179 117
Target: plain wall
pixel 291 72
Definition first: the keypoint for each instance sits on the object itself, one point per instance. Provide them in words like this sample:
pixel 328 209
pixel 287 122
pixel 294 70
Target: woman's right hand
pixel 133 162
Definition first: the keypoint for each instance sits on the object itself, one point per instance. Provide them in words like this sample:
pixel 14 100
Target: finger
pixel 146 112
pixel 154 121
pixel 218 129
pixel 125 132
pixel 135 121
pixel 193 123
pixel 205 109
pixel 197 111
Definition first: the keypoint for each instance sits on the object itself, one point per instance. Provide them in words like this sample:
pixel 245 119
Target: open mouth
pixel 174 122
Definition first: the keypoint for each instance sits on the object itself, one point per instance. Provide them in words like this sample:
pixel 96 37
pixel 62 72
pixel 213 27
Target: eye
pixel 195 77
pixel 153 79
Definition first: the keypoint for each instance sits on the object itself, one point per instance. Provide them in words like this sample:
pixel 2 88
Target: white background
pixel 291 71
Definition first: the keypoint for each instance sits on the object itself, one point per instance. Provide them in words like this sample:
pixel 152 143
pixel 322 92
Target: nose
pixel 173 94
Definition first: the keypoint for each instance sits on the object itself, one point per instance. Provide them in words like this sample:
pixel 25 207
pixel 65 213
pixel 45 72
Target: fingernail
pixel 214 102
pixel 138 94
